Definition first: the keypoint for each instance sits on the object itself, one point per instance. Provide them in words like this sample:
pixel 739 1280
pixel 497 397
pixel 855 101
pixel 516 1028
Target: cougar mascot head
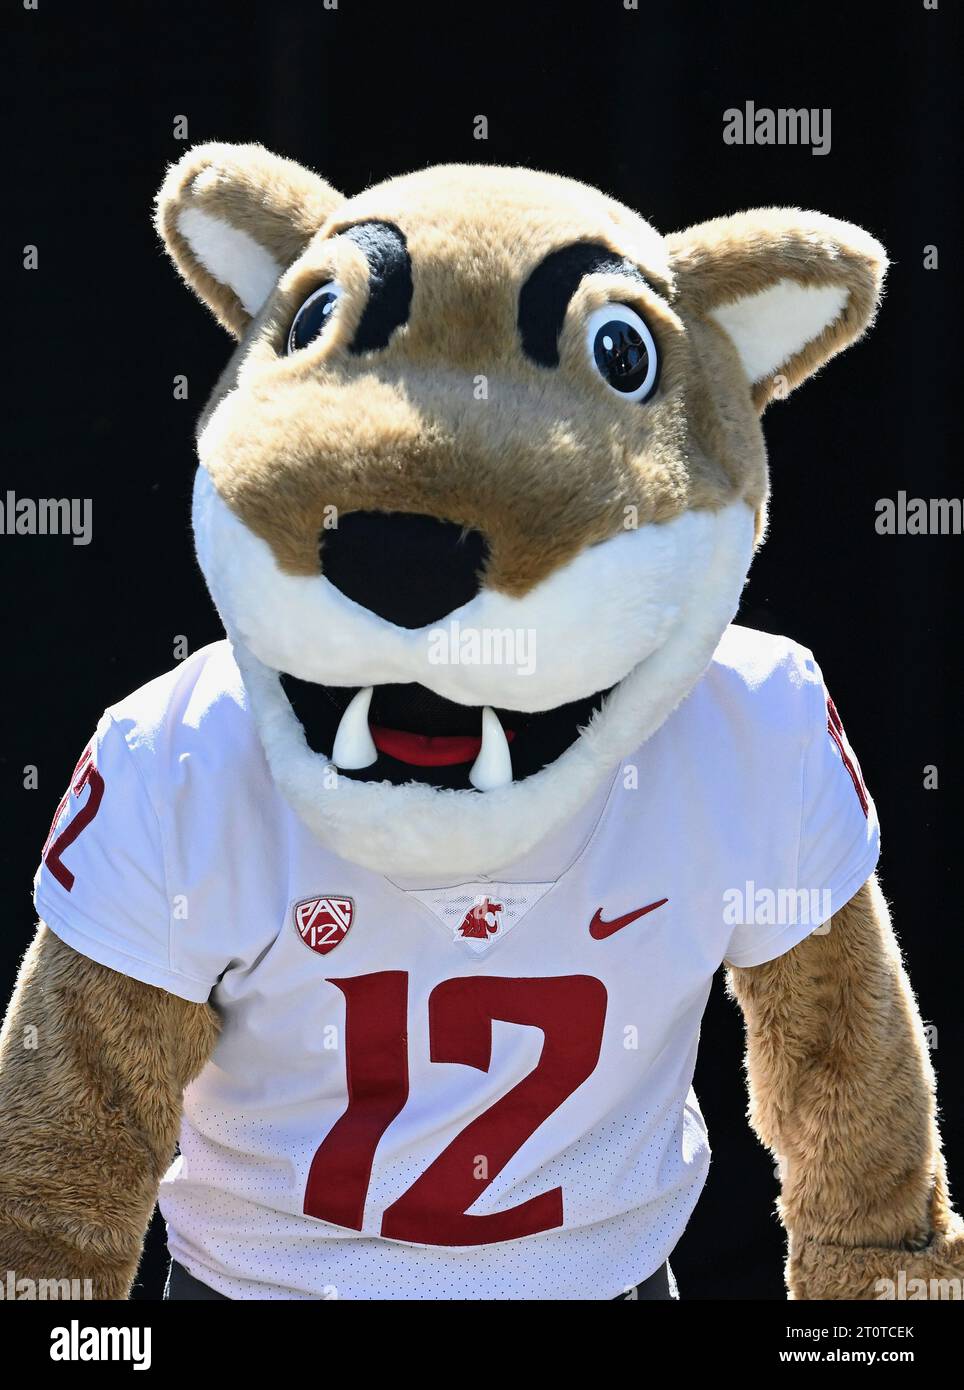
pixel 480 485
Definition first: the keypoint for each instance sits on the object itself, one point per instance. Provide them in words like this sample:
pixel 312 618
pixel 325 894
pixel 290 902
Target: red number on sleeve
pixel 85 774
pixel 835 729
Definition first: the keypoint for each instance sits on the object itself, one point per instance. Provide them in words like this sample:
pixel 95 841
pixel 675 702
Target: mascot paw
pixel 819 1270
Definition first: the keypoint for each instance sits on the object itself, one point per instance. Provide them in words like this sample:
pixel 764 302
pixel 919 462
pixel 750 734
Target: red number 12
pixel 569 1009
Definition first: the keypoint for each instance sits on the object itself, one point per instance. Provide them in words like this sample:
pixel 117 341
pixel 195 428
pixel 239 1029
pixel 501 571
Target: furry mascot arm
pixel 842 1093
pixel 92 1070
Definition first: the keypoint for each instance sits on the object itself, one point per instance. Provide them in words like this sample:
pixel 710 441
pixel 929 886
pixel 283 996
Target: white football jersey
pixel 452 1090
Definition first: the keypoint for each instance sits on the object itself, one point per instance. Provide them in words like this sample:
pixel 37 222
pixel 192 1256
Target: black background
pixel 632 101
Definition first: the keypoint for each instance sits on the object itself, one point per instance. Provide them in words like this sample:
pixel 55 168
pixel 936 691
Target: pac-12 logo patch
pixel 323 922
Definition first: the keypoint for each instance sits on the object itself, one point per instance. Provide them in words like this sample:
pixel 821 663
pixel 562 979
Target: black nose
pixel 409 569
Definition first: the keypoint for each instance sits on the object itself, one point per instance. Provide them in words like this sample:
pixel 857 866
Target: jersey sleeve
pixel 102 885
pixel 839 837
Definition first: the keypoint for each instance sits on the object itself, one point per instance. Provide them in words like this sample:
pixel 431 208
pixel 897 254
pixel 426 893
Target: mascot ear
pixel 233 217
pixel 791 289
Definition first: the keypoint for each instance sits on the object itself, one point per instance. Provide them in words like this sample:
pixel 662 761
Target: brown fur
pixel 89 1116
pixel 550 462
pixel 279 203
pixel 842 1092
pixel 730 257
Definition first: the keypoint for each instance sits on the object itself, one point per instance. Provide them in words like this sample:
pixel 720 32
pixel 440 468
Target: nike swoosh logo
pixel 599 930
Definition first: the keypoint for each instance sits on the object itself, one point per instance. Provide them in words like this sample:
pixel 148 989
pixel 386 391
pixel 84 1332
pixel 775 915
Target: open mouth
pixel 407 733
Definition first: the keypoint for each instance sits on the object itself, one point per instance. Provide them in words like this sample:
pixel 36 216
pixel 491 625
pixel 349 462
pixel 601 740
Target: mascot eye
pixel 313 315
pixel 623 351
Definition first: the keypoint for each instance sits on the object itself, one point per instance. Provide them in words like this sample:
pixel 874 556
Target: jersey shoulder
pixel 150 821
pixel 770 680
pixel 194 718
pixel 756 657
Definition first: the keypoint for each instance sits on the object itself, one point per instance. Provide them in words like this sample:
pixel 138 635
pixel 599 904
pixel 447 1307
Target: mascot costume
pixel 398 910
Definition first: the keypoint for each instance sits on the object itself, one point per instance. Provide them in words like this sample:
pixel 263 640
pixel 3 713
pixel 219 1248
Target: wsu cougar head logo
pixel 481 921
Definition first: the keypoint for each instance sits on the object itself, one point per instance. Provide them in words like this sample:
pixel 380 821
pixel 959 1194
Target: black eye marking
pixel 545 296
pixel 389 283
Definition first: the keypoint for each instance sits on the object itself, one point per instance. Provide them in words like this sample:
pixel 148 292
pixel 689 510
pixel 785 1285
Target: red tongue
pixel 424 750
